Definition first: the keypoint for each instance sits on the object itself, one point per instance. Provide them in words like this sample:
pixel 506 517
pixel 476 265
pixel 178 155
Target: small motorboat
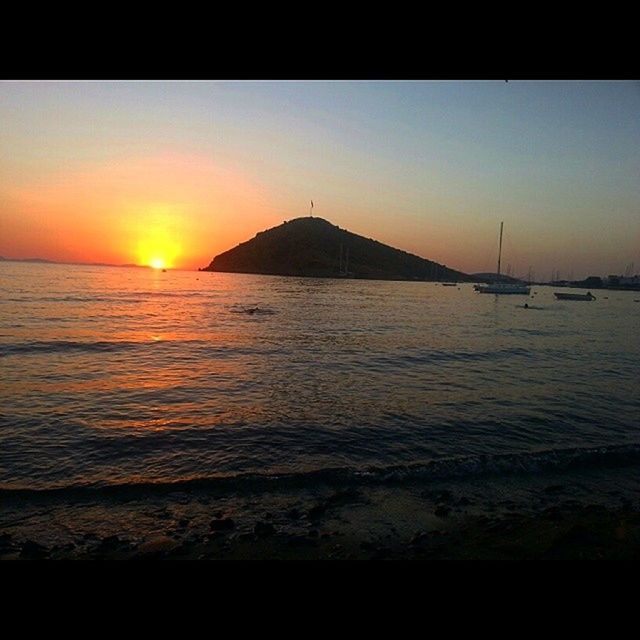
pixel 574 296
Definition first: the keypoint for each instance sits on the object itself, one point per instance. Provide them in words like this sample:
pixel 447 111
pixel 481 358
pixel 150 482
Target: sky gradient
pixel 131 172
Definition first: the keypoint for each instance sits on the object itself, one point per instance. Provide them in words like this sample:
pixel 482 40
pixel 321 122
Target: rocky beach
pixel 540 519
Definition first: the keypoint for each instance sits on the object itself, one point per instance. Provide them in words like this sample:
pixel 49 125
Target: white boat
pixel 503 287
pixel 574 296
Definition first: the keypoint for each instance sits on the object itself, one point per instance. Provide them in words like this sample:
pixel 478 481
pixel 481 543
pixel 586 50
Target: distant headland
pixel 82 264
pixel 314 247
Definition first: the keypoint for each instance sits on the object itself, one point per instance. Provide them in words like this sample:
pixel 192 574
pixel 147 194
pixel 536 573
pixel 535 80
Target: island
pixel 314 247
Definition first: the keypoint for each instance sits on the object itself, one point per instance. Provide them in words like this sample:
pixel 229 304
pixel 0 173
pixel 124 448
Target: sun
pixel 157 230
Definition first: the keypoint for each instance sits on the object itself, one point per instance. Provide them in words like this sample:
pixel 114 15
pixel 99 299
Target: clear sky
pixel 131 172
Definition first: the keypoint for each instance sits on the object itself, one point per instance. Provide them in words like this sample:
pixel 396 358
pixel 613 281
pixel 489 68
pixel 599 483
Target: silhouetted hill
pixel 315 247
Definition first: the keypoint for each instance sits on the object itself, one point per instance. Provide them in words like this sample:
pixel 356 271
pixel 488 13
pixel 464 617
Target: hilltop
pixel 315 247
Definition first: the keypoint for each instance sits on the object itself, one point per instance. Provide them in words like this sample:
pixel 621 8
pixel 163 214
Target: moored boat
pixel 503 287
pixel 574 296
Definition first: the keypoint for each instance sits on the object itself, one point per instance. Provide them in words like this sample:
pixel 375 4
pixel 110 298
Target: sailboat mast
pixel 500 251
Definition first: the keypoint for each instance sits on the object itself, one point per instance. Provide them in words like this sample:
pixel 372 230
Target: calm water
pixel 124 375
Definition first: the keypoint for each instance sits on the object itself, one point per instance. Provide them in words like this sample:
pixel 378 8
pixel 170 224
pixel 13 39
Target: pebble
pixel 382 553
pixel 553 488
pixel 317 511
pixel 157 545
pixel 264 529
pixel 110 543
pixel 419 538
pixel 222 524
pixel 6 543
pixel 300 541
pixel 346 495
pixel 553 513
pixel 33 550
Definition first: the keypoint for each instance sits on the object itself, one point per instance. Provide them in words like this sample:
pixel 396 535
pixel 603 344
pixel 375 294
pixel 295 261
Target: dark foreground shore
pixel 588 516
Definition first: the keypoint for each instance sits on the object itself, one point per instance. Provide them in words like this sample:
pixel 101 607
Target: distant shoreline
pixel 78 264
pixel 330 277
pixel 479 281
pixel 290 275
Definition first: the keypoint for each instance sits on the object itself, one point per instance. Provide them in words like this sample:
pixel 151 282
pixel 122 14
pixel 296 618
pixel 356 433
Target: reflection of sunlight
pixel 157 391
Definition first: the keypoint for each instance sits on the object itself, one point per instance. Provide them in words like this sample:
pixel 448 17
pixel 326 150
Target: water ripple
pixel 122 377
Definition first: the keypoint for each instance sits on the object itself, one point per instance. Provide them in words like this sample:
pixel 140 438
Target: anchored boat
pixel 503 287
pixel 574 296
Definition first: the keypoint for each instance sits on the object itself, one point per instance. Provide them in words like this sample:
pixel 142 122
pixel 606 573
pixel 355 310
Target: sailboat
pixel 503 287
pixel 344 273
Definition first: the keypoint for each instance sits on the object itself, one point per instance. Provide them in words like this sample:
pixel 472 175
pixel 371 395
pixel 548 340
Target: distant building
pixel 623 282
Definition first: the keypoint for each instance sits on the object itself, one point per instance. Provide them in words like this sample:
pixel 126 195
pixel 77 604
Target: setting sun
pixel 158 228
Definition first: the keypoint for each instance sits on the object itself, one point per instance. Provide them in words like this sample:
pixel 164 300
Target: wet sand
pixel 591 517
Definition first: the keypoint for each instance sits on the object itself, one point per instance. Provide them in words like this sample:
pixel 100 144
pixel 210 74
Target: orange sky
pixel 177 209
pixel 173 173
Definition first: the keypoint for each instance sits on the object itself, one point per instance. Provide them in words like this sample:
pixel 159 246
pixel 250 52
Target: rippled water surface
pixel 125 375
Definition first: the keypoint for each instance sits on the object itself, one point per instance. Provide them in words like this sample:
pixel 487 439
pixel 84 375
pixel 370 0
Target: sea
pixel 118 377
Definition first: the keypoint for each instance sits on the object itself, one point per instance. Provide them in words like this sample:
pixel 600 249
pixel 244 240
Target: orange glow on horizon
pixel 178 211
pixel 166 211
